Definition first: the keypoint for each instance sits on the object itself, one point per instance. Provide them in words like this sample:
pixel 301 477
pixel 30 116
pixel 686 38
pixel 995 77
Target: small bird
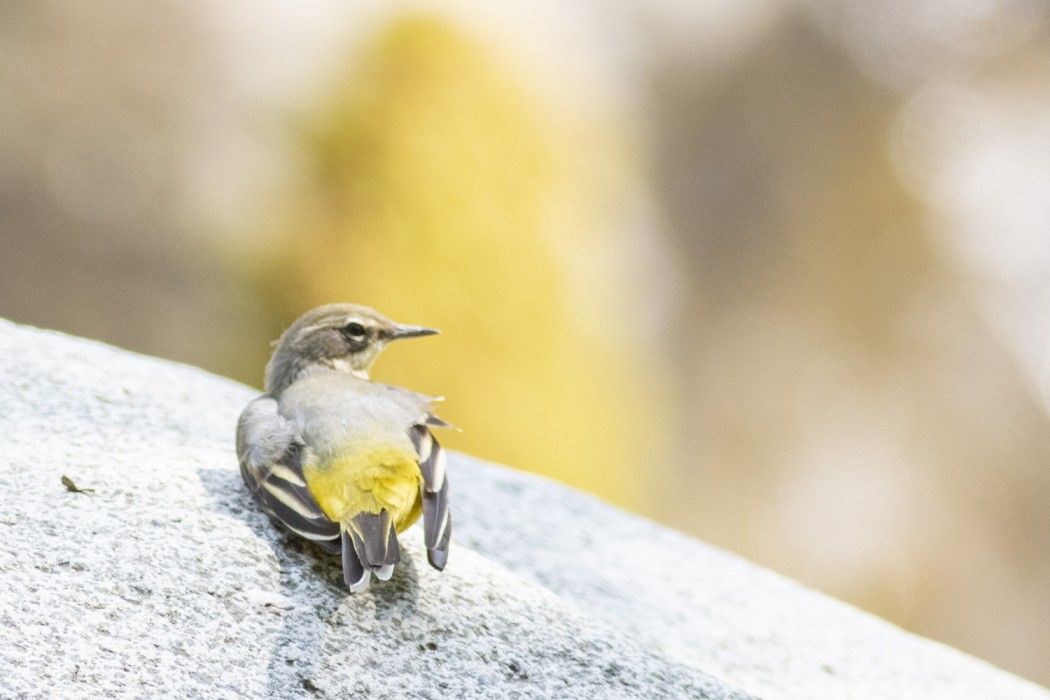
pixel 341 460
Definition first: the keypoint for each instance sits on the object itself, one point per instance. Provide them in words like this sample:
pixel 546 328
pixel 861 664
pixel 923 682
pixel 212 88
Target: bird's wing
pixel 437 519
pixel 270 454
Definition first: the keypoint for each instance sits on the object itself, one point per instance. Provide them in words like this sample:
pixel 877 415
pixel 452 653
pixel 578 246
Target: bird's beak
pixel 399 331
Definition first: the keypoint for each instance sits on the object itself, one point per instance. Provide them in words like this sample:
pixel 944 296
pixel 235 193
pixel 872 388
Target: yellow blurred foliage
pixel 443 194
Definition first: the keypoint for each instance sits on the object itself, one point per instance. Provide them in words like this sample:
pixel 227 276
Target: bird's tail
pixel 369 546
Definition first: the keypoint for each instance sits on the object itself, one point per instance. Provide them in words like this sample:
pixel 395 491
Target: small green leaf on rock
pixel 72 487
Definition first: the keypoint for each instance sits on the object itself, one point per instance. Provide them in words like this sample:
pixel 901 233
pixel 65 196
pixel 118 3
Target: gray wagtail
pixel 341 460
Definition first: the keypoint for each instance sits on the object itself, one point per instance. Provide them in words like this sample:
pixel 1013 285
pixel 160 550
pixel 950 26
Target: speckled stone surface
pixel 165 581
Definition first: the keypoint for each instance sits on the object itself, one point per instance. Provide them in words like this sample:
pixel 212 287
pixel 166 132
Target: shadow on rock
pixel 311 581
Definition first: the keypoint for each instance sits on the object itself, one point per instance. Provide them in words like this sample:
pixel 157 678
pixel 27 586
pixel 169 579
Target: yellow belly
pixel 367 482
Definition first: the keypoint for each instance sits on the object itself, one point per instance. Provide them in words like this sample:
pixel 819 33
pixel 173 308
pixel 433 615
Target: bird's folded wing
pixel 270 454
pixel 437 519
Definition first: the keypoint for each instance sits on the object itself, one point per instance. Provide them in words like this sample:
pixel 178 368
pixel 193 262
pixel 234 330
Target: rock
pixel 155 575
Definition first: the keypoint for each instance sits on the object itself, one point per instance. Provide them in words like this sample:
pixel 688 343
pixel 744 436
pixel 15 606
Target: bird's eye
pixel 355 330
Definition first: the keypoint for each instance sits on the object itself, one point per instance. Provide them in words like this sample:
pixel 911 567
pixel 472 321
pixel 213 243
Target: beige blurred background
pixel 773 272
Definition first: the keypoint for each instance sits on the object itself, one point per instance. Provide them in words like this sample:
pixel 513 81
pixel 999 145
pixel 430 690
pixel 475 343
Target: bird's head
pixel 343 337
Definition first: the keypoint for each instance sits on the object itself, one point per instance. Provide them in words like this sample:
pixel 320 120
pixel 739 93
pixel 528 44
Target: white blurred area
pixel 842 232
pixel 976 150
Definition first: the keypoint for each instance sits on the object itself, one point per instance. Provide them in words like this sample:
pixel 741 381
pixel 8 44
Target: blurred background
pixel 773 272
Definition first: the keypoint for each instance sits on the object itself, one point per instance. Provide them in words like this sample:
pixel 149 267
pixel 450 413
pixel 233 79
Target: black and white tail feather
pixel 369 541
pixel 270 459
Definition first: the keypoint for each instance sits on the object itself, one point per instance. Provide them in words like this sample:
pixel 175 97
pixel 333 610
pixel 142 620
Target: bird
pixel 341 460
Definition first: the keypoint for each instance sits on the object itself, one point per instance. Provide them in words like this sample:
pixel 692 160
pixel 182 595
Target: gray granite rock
pixel 166 581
